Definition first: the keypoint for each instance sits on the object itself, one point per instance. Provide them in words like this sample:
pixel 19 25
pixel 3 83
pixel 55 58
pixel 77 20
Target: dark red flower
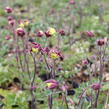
pixel 40 33
pixel 8 37
pixel 10 18
pixel 47 34
pixel 45 50
pixel 62 32
pixel 11 22
pixel 72 2
pixel 96 86
pixel 100 42
pixel 89 33
pixel 8 10
pixel 20 32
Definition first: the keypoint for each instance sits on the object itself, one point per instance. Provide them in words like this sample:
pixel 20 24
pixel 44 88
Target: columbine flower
pixel 50 32
pixel 96 86
pixel 40 33
pixel 89 33
pixel 85 62
pixel 55 54
pixel 47 34
pixel 21 25
pixel 36 47
pixel 8 37
pixel 8 10
pixel 51 84
pixel 35 50
pixel 10 18
pixel 100 42
pixel 11 22
pixel 45 50
pixel 20 32
pixel 72 2
pixel 26 23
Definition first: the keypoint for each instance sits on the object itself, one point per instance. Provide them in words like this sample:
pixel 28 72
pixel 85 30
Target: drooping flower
pixel 51 84
pixel 26 22
pixel 39 33
pixel 21 25
pixel 10 18
pixel 89 33
pixel 62 32
pixel 8 9
pixel 20 32
pixel 47 34
pixel 55 54
pixel 50 32
pixel 35 48
pixel 96 86
pixel 72 2
pixel 45 50
pixel 100 42
pixel 85 62
pixel 11 22
pixel 70 92
pixel 8 37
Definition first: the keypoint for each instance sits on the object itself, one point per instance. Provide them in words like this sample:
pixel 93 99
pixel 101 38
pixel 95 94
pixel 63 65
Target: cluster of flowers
pixel 52 53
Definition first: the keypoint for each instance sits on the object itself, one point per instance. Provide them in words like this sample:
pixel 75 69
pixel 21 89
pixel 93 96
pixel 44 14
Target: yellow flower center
pixel 54 56
pixel 26 23
pixel 21 25
pixel 52 31
pixel 35 50
pixel 49 84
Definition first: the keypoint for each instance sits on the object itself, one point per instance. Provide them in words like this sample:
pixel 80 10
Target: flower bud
pixel 10 18
pixel 62 32
pixel 96 86
pixel 21 25
pixel 47 34
pixel 8 10
pixel 72 2
pixel 36 48
pixel 51 84
pixel 50 32
pixel 40 33
pixel 100 42
pixel 45 50
pixel 20 32
pixel 8 37
pixel 26 23
pixel 89 33
pixel 85 62
pixel 55 54
pixel 11 22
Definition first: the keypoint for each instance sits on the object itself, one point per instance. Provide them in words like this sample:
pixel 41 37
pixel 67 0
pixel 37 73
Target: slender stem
pixel 25 57
pixel 50 99
pixel 66 101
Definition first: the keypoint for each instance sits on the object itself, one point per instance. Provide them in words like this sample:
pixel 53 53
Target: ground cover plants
pixel 54 54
